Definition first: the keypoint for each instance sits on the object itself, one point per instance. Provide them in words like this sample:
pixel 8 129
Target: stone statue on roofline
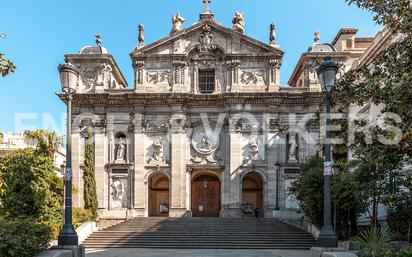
pixel 177 21
pixel 239 22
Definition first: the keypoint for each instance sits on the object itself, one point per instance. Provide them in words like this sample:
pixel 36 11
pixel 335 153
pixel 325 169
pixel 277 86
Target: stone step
pixel 198 233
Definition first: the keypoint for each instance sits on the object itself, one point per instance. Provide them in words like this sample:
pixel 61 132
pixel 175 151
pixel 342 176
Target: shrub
pixel 31 187
pixel 374 242
pixel 81 215
pixel 23 238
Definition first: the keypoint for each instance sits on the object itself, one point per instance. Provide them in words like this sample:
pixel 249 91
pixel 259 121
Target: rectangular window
pixel 349 43
pixel 207 81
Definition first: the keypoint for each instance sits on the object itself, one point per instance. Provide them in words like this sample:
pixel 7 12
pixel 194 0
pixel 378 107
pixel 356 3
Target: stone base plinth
pixel 179 212
pixel 231 213
pixel 76 250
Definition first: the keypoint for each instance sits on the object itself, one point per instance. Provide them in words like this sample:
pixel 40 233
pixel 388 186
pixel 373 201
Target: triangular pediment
pixel 226 40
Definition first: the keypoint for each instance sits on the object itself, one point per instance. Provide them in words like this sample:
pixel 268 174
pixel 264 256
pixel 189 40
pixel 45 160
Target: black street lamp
pixel 69 76
pixel 327 79
pixel 277 170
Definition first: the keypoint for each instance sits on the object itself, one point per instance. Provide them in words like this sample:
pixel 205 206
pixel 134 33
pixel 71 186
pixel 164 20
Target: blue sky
pixel 41 32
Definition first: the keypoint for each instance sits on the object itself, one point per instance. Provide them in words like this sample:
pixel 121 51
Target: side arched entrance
pixel 205 195
pixel 158 195
pixel 252 195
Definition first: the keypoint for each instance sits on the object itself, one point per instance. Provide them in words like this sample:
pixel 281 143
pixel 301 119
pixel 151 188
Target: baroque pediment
pixel 205 37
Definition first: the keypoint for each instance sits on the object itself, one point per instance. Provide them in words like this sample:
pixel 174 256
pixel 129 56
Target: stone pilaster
pixel 232 172
pixel 76 163
pixel 102 186
pixel 179 187
pixel 139 201
pixel 271 158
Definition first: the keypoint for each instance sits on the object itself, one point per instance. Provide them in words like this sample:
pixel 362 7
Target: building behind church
pixel 200 130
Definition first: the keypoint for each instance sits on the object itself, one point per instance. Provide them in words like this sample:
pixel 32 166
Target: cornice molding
pixel 190 100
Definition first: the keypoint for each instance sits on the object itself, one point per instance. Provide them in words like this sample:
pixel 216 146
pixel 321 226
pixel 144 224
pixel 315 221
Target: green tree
pixel 386 81
pixel 31 188
pixel 90 195
pixel 1 137
pixel 308 189
pixel 45 142
pixel 346 195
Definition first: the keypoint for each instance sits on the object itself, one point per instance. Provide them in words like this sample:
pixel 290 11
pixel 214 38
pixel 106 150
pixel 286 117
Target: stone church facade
pixel 203 126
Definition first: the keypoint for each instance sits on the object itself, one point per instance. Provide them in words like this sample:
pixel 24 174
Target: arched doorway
pixel 252 195
pixel 205 196
pixel 158 195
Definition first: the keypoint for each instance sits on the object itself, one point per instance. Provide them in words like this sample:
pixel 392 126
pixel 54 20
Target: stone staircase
pixel 201 233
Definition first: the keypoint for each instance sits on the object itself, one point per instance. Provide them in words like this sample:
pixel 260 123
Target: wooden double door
pixel 206 196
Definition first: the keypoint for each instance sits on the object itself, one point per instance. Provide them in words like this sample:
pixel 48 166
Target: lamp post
pixel 277 170
pixel 327 78
pixel 69 76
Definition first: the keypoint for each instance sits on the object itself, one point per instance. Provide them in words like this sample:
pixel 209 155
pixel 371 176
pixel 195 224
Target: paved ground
pixel 193 253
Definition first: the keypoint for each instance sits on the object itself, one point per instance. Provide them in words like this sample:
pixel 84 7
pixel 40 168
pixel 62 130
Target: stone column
pixel 179 187
pixel 139 160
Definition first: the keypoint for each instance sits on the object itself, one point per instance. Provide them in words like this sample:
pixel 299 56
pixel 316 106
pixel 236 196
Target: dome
pixel 93 50
pixel 322 48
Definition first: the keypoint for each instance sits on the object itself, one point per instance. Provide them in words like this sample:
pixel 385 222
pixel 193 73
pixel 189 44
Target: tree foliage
pixel 308 189
pixel 31 188
pixel 45 142
pixel 90 195
pixel 23 238
pixel 6 66
pixel 385 81
pixel 346 195
pixel 396 14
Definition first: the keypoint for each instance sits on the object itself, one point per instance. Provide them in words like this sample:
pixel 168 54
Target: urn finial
pixel 141 35
pixel 272 36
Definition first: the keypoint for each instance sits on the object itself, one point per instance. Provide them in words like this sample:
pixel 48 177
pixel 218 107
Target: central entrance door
pixel 206 196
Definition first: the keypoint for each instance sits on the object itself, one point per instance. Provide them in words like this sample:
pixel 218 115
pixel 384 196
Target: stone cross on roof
pixel 206 3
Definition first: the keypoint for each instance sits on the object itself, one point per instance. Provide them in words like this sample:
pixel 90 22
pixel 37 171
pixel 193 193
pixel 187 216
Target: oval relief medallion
pixel 205 142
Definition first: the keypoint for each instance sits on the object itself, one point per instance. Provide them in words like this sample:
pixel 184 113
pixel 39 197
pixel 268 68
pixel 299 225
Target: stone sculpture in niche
pixel 253 154
pixel 177 21
pixel 121 149
pixel 293 148
pixel 158 155
pixel 239 22
pixel 106 74
pixel 119 193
